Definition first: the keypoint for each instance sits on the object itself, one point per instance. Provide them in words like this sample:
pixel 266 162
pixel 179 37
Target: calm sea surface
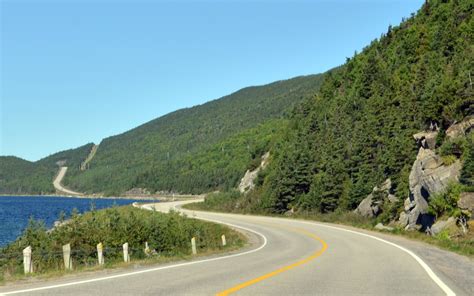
pixel 16 210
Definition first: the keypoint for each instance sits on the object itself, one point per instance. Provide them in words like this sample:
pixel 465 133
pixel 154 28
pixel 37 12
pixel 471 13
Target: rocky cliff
pixel 247 183
pixel 429 175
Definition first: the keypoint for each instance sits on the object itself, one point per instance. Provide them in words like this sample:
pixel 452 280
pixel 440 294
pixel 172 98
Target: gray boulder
pixel 428 176
pixel 426 140
pixel 369 207
pixel 461 128
pixel 366 207
pixel 466 203
pixel 380 226
pixel 441 225
pixel 392 198
pixel 403 219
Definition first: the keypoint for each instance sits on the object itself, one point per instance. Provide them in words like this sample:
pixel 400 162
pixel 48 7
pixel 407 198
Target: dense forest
pixel 357 131
pixel 185 151
pixel 219 167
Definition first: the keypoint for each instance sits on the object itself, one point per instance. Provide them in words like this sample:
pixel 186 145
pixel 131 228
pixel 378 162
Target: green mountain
pixel 193 150
pixel 358 130
pixel 19 176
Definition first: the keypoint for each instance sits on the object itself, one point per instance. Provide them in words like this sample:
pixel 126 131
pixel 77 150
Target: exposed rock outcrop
pixel 441 225
pixel 380 226
pixel 461 128
pixel 247 183
pixel 466 203
pixel 426 140
pixel 428 176
pixel 370 207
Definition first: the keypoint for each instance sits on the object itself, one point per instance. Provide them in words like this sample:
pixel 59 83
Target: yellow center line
pixel 282 269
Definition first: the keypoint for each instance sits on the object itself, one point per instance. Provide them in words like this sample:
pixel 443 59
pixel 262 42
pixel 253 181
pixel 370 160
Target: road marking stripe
pixel 425 266
pixel 152 269
pixel 280 270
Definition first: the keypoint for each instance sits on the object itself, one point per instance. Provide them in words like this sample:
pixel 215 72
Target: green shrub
pixel 467 173
pixel 443 235
pixel 449 159
pixel 445 203
pixel 454 147
pixel 167 234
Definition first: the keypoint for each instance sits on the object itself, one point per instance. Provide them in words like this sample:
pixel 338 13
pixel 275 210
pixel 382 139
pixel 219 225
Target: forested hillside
pixel 219 167
pixel 19 176
pixel 156 154
pixel 358 130
pixel 340 140
pixel 193 150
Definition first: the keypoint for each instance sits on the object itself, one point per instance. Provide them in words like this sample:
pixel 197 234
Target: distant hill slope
pixel 19 176
pixel 359 129
pixel 177 152
pixel 218 167
pixel 158 148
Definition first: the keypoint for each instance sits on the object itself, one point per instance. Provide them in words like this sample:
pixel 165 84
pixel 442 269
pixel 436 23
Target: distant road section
pixel 85 163
pixel 57 182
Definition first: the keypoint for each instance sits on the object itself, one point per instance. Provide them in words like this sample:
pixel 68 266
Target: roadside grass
pixel 451 239
pixel 168 237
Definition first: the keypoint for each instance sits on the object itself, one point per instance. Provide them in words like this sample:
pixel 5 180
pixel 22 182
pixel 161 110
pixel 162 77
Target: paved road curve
pixel 289 258
pixel 57 182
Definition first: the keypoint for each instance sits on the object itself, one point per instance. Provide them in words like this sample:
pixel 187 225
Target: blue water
pixel 15 211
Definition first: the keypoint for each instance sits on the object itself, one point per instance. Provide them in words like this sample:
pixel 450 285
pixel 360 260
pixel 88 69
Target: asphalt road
pixel 57 182
pixel 288 257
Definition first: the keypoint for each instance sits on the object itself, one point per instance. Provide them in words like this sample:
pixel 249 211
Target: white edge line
pixel 152 269
pixel 425 266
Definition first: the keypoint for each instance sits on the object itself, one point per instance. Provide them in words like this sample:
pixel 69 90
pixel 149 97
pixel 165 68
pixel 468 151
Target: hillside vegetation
pixel 193 150
pixel 415 75
pixel 184 151
pixel 19 176
pixel 357 131
pixel 219 167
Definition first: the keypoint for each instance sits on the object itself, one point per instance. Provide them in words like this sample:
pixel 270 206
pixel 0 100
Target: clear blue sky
pixel 74 72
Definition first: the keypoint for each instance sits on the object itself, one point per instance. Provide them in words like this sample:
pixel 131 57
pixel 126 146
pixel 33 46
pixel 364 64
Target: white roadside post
pixel 224 243
pixel 67 257
pixel 100 253
pixel 193 245
pixel 27 261
pixel 126 256
pixel 147 249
